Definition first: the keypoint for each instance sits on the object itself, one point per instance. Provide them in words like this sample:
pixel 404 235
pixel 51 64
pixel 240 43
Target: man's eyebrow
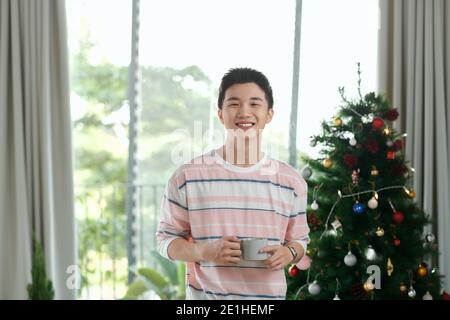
pixel 232 98
pixel 252 98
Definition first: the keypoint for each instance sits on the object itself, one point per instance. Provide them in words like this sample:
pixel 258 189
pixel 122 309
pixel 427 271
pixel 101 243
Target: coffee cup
pixel 250 249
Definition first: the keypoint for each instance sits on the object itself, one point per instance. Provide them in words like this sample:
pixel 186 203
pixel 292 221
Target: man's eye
pixel 255 104
pixel 233 105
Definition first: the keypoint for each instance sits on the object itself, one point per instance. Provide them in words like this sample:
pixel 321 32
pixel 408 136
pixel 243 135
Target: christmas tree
pixel 367 239
pixel 40 288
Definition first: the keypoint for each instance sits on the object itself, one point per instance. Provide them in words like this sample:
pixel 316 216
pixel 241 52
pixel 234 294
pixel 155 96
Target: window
pixel 185 48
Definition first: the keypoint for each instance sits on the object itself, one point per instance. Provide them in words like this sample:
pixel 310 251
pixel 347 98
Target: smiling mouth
pixel 245 125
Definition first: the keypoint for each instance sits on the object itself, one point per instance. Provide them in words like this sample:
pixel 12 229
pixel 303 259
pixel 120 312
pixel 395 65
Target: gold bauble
pixel 338 122
pixel 374 171
pixel 380 232
pixel 422 271
pixel 403 287
pixel 327 163
pixel 368 286
pixel 412 194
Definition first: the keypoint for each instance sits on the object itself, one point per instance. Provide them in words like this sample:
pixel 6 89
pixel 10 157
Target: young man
pixel 233 193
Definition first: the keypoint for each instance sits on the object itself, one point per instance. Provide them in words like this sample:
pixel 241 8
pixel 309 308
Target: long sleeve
pixel 174 218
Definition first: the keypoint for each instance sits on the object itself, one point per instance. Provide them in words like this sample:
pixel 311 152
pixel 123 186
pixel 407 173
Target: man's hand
pixel 280 256
pixel 225 251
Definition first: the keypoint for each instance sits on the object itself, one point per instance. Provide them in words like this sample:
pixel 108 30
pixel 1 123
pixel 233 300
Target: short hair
pixel 245 75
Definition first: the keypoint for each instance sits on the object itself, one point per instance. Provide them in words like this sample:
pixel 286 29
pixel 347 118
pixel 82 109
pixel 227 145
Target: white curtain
pixel 414 72
pixel 36 185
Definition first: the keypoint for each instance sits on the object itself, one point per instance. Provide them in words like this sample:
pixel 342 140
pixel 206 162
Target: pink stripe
pixel 285 206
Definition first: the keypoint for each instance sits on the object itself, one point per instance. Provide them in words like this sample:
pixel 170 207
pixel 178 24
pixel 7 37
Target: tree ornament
pixel 390 155
pixel 355 176
pixel 397 242
pixel 372 146
pixel 368 286
pixel 350 160
pixel 430 238
pixel 314 205
pixel 422 271
pixel 412 194
pixel 327 163
pixel 306 172
pixel 370 253
pixel 389 143
pixel 387 131
pixel 313 143
pixel 398 217
pixel 337 122
pixel 411 292
pixel 403 287
pixel 374 172
pixel 293 271
pixel 350 259
pixel 391 114
pixel 336 297
pixel 373 203
pixel 352 141
pixel 314 288
pixel 358 208
pixel 377 123
pixel 427 296
pixel 304 263
pixel 398 145
pixel 379 232
pixel 390 267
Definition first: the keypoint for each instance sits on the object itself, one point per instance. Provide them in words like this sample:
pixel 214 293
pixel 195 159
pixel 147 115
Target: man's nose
pixel 244 110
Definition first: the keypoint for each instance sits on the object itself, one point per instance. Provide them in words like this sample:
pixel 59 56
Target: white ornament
pixel 314 288
pixel 430 238
pixel 389 143
pixel 352 142
pixel 336 297
pixel 306 172
pixel 370 253
pixel 411 292
pixel 373 203
pixel 314 205
pixel 427 296
pixel 313 143
pixel 350 259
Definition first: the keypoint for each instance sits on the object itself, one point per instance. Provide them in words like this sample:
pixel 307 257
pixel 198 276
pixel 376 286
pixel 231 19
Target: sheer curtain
pixel 36 192
pixel 414 72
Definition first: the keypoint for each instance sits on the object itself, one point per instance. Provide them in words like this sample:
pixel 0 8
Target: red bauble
pixel 377 123
pixel 399 169
pixel 350 160
pixel 398 217
pixel 445 296
pixel 391 115
pixel 390 155
pixel 293 271
pixel 397 242
pixel 372 146
pixel 398 145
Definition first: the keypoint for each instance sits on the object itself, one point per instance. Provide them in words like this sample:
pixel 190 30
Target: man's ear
pixel 270 115
pixel 220 115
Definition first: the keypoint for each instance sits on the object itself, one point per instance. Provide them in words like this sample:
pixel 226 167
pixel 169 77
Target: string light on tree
pixel 390 268
pixel 352 141
pixel 327 163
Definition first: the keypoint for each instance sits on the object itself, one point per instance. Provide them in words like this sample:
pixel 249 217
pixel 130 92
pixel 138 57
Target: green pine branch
pixel 40 288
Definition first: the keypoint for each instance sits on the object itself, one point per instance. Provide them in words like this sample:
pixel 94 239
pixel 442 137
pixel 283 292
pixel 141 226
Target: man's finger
pixel 269 249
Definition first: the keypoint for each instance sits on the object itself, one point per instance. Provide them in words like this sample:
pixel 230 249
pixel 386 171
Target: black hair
pixel 245 75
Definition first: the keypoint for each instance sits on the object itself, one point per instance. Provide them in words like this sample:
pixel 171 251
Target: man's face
pixel 245 107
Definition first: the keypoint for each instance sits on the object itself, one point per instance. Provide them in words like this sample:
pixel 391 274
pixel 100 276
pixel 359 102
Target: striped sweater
pixel 208 198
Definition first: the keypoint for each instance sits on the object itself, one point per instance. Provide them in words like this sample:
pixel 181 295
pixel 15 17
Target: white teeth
pixel 245 124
